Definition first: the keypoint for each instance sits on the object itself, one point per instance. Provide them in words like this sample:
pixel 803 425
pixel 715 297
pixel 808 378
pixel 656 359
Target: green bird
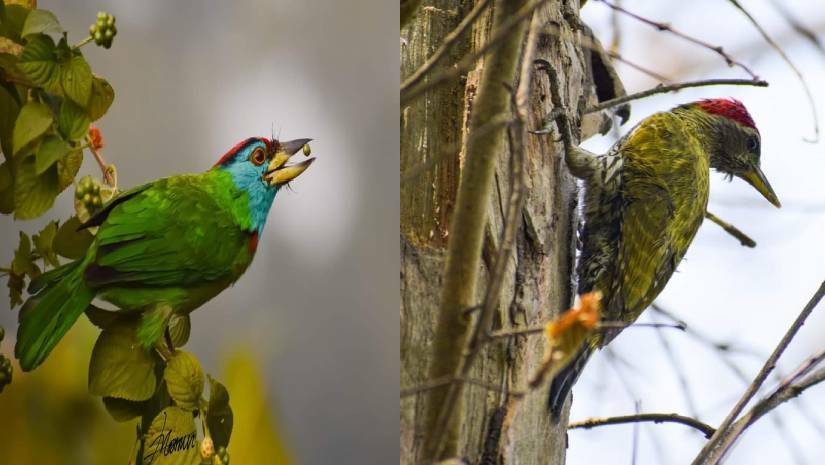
pixel 643 203
pixel 163 248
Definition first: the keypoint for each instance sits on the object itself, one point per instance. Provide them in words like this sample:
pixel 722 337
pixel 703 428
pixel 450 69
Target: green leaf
pixel 52 148
pixel 76 79
pixel 179 327
pixel 41 21
pixel 120 367
pixel 172 439
pixel 33 194
pixel 219 414
pixel 23 262
pixel 33 121
pixel 67 168
pixel 122 409
pixel 101 98
pixel 12 24
pixel 184 380
pixel 9 109
pixel 43 244
pixel 71 243
pixel 39 62
pixel 6 179
pixel 73 122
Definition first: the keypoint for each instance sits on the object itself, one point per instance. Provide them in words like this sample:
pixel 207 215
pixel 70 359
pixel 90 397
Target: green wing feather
pixel 173 233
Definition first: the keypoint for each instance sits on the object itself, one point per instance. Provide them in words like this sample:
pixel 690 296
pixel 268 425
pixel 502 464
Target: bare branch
pixel 704 428
pixel 787 60
pixel 732 230
pixel 662 88
pixel 666 27
pixel 713 451
pixel 449 40
pixel 638 67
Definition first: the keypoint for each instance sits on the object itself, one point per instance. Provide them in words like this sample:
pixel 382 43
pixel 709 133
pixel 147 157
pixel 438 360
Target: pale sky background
pixel 319 305
pixel 744 296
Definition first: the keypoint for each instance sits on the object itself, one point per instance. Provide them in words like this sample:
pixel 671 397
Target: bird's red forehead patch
pixel 270 144
pixel 729 108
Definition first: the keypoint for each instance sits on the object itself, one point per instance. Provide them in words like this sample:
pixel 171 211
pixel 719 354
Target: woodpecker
pixel 644 200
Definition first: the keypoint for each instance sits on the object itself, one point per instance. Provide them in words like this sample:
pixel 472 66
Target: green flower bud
pixel 101 15
pixel 87 198
pixel 307 150
pixel 109 34
pixel 98 36
pixel 92 29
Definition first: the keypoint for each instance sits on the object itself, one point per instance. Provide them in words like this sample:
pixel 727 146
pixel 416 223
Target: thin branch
pixel 513 21
pixel 638 67
pixel 797 26
pixel 662 88
pixel 445 380
pixel 788 61
pixel 666 27
pixel 781 395
pixel 713 451
pixel 732 230
pixel 449 40
pixel 602 326
pixel 704 428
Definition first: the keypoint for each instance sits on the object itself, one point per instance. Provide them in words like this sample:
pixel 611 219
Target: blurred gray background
pixel 746 297
pixel 319 304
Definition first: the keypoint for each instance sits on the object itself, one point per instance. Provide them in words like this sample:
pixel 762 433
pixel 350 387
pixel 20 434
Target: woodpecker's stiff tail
pixel 564 380
pixel 60 296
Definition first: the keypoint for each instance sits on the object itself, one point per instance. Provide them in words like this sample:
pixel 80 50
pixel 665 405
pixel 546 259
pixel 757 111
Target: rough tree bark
pixel 538 283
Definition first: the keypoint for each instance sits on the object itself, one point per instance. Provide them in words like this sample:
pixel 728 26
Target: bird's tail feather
pixel 61 296
pixel 564 380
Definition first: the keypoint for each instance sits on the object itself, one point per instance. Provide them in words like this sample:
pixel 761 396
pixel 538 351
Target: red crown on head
pixel 231 153
pixel 729 108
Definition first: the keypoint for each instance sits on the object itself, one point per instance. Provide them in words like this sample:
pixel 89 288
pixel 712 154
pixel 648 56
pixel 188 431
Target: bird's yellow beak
pixel 278 172
pixel 756 178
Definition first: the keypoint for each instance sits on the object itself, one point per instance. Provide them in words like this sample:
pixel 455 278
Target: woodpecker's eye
pixel 258 157
pixel 753 144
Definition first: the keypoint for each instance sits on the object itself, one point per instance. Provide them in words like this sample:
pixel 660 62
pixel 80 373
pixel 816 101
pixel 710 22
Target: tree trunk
pixel 538 283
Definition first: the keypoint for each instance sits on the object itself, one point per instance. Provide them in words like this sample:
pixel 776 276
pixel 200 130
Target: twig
pixel 712 452
pixel 513 21
pixel 449 40
pixel 783 394
pixel 797 26
pixel 662 88
pixel 603 325
pixel 706 429
pixel 638 67
pixel 666 27
pixel 466 235
pixel 443 381
pixel 788 61
pixel 732 230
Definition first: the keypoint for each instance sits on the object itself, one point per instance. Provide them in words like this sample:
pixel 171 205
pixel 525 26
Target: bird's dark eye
pixel 753 144
pixel 258 157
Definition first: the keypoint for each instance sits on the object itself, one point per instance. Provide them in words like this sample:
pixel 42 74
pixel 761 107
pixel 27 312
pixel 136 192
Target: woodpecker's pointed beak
pixel 278 172
pixel 756 178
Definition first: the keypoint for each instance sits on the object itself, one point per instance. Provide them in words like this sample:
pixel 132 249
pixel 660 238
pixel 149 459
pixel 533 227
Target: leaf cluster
pixel 48 99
